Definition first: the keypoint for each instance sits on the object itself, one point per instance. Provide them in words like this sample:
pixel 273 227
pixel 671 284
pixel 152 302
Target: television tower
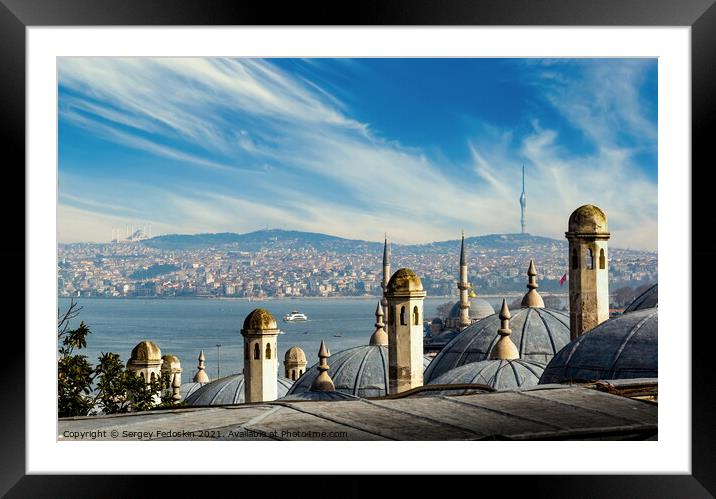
pixel 523 201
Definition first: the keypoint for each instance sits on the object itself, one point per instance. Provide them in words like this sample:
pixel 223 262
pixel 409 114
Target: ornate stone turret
pixel 405 296
pixel 323 382
pixel 386 276
pixel 260 356
pixel 294 363
pixel 464 287
pixel 171 367
pixel 588 237
pixel 146 361
pixel 201 376
pixel 532 298
pixel 379 337
pixel 504 349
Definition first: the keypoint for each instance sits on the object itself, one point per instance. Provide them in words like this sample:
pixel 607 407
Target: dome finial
pixel 323 382
pixel 532 299
pixel 176 387
pixel 201 376
pixel 379 337
pixel 504 349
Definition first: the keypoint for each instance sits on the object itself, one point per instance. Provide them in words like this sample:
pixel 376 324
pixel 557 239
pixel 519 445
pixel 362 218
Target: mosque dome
pixel 361 371
pixel 187 389
pixel 295 354
pixel 497 374
pixel 403 281
pixel 437 321
pixel 538 333
pixel 648 299
pixel 146 351
pixel 259 319
pixel 619 348
pixel 588 219
pixel 322 395
pixel 229 390
pixel 479 309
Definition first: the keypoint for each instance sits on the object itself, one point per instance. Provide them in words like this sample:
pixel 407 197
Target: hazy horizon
pixel 417 148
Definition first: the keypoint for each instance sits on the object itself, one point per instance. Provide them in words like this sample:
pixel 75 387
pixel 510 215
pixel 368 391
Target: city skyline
pixel 420 148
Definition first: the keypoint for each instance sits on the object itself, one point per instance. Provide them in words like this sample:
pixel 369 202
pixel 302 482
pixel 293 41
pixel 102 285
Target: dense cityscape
pixel 279 264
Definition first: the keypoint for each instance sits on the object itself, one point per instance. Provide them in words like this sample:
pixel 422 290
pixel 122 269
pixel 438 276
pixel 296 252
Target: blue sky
pixel 418 148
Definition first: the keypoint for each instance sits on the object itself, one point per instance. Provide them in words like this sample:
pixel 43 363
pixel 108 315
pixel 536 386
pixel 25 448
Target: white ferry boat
pixel 295 315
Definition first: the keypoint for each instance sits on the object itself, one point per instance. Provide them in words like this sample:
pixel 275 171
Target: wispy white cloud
pixel 249 115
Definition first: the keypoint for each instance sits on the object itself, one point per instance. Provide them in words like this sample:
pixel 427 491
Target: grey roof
pixel 623 347
pixel 648 299
pixel 229 390
pixel 539 413
pixel 187 389
pixel 311 395
pixel 361 371
pixel 479 309
pixel 538 333
pixel 497 374
pixel 442 338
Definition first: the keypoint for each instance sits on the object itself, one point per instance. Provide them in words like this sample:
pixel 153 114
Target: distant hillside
pixel 263 239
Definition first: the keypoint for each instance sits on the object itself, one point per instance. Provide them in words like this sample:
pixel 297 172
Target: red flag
pixel 564 278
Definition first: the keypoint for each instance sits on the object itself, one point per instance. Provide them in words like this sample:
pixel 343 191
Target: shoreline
pixel 508 294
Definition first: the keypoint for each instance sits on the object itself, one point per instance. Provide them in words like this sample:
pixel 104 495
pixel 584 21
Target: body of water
pixel 184 326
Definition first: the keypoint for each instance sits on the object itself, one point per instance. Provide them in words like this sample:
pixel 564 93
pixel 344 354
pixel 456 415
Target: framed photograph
pixel 267 234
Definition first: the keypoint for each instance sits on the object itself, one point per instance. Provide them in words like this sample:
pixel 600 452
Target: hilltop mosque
pixel 476 346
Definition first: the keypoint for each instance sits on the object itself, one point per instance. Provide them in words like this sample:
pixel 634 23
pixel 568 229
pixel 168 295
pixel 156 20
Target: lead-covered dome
pixel 619 348
pixel 479 309
pixel 404 280
pixel 648 299
pixel 538 333
pixel 361 371
pixel 229 390
pixel 588 219
pixel 497 374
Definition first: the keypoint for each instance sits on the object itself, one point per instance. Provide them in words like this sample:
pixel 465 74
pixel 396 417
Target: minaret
pixel 323 382
pixel 260 356
pixel 201 376
pixel 386 275
pixel 505 348
pixel 532 298
pixel 405 296
pixel 464 287
pixel 379 337
pixel 523 201
pixel 588 237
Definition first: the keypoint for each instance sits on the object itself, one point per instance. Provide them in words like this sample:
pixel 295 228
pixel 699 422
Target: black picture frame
pixel 700 15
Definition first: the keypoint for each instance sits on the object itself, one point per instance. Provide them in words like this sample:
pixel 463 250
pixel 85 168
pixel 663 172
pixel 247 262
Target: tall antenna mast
pixel 523 202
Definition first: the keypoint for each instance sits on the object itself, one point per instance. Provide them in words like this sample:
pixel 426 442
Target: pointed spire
pixel 379 337
pixel 201 376
pixel 463 261
pixel 532 299
pixel 504 349
pixel 386 252
pixel 323 382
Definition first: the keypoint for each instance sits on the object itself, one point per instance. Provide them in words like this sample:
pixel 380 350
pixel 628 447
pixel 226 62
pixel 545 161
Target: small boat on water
pixel 339 335
pixel 295 315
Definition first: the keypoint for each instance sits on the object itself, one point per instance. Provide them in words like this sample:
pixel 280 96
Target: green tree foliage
pixel 444 310
pixel 109 387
